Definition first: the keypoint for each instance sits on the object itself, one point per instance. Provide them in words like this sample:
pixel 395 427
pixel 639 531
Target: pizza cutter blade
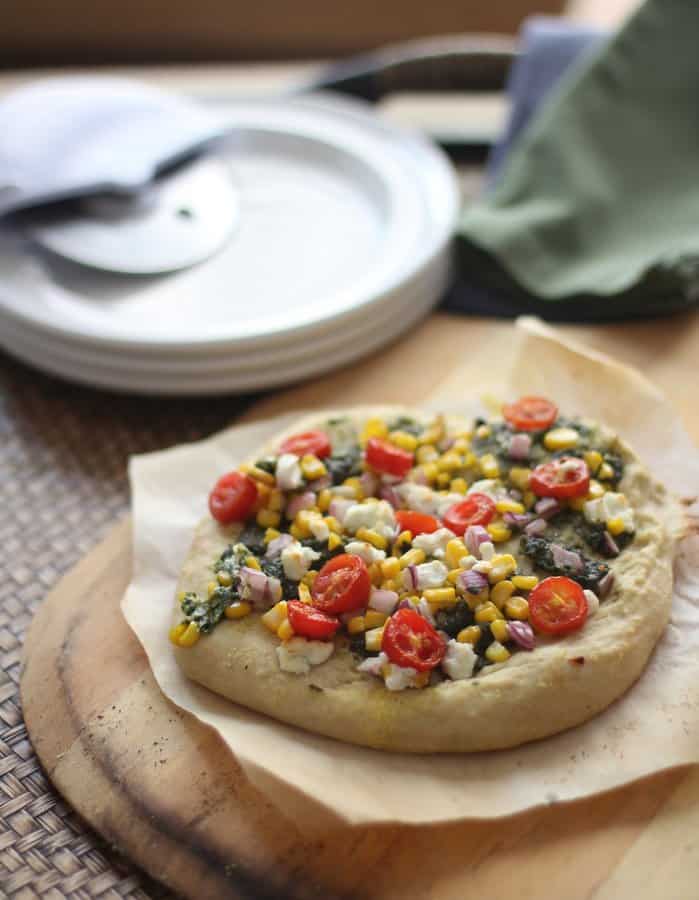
pixel 178 220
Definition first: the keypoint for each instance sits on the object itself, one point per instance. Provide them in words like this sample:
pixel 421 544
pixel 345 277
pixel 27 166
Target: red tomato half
pixel 316 443
pixel 410 640
pixel 564 477
pixel 232 498
pixel 530 413
pixel 387 458
pixel 341 585
pixel 310 622
pixel 476 509
pixel 557 605
pixel 416 522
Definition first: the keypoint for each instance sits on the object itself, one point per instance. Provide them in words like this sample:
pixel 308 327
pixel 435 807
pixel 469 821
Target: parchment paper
pixel 655 726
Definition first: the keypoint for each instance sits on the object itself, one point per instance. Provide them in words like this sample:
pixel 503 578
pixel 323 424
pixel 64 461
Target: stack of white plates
pixel 342 243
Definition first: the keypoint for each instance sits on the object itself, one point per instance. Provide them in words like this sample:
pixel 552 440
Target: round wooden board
pixel 164 789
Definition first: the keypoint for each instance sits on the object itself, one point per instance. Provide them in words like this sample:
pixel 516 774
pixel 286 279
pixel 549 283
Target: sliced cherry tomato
pixel 316 443
pixel 416 522
pixel 557 605
pixel 232 498
pixel 531 413
pixel 387 458
pixel 475 509
pixel 341 585
pixel 310 622
pixel 564 477
pixel 410 640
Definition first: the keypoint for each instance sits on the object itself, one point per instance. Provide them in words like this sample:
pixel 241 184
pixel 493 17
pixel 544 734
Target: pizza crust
pixel 563 683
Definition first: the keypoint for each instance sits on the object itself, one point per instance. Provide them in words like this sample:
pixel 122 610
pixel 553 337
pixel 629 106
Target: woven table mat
pixel 63 484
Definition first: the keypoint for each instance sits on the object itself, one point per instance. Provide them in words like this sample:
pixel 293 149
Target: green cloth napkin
pixel 596 212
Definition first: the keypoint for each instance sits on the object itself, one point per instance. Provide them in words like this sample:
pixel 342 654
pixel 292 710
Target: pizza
pixel 427 583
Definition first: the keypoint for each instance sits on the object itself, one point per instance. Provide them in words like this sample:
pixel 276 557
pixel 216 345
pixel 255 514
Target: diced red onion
pixel 259 589
pixel 405 604
pixel 522 634
pixel 520 446
pixel 390 494
pixel 517 520
pixel 515 494
pixel 383 601
pixel 473 582
pixel 609 545
pixel 605 585
pixel 277 544
pixel 338 508
pixel 547 507
pixel 474 537
pixel 369 483
pixel 535 528
pixel 319 484
pixel 307 500
pixel 566 559
pixel 412 572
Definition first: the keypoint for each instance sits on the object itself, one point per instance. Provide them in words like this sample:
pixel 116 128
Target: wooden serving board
pixel 165 790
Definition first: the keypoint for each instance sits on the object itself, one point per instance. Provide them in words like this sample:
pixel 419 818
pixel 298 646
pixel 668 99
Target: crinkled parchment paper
pixel 655 726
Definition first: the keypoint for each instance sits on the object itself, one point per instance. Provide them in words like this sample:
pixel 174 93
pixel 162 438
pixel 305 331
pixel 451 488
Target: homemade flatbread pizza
pixel 425 583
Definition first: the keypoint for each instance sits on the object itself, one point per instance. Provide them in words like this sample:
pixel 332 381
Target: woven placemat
pixel 63 484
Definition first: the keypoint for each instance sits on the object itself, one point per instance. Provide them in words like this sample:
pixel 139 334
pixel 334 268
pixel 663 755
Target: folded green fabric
pixel 596 212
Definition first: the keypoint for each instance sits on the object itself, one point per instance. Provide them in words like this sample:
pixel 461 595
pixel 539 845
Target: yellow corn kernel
pixel 458 485
pixel 404 440
pixel 454 552
pixel 470 460
pixel 373 428
pixel 525 582
pixel 312 467
pixel 324 500
pixel 595 491
pixel 499 532
pixel 332 524
pixel 454 574
pixel 274 617
pixel 431 471
pixel 225 579
pixel 356 625
pixel 176 633
pixel 489 466
pixel 237 610
pixel 252 563
pixel 373 537
pixel 271 534
pixel 462 443
pixel 275 501
pixel 297 532
pixel 440 596
pixel 432 435
pixel 258 474
pixel 502 567
pixel 401 543
pixel 482 432
pixel 190 635
pixel 268 518
pixel 356 486
pixel 500 630
pixel 496 653
pixel 443 480
pixel 374 619
pixel 412 558
pixel 449 462
pixel 605 472
pixel 517 608
pixel 390 568
pixel 334 541
pixel 373 638
pixel 561 439
pixel 615 526
pixel 593 458
pixel 425 454
pixel 309 577
pixel 476 600
pixel 487 612
pixel 389 584
pixel 304 593
pixel 511 506
pixel 285 631
pixel 529 499
pixel 501 593
pixel 519 476
pixel 375 574
pixel 211 587
pixel 469 635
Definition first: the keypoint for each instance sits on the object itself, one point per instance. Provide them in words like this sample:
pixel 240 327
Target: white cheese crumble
pixel 431 575
pixel 366 551
pixel 487 550
pixel 444 502
pixel 296 560
pixel 319 528
pixel 377 516
pixel 592 602
pixel 610 506
pixel 373 665
pixel 417 496
pixel 398 678
pixel 288 472
pixel 299 654
pixel 434 544
pixel 491 487
pixel 467 562
pixel 459 660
